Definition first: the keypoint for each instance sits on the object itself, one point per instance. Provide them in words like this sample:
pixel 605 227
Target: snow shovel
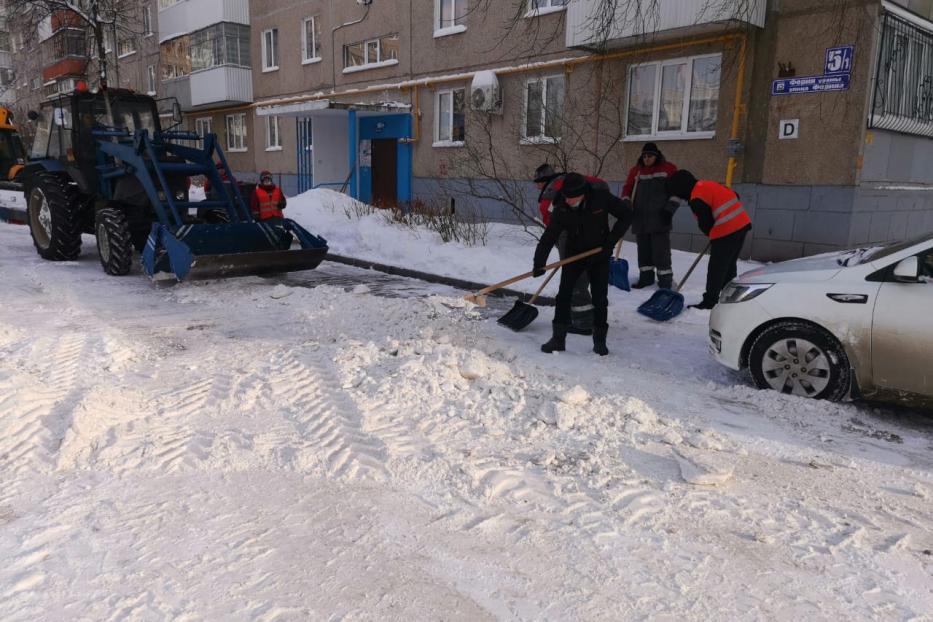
pixel 665 304
pixel 479 298
pixel 524 313
pixel 618 270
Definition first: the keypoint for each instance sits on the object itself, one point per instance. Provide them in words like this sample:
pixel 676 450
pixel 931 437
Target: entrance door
pixel 305 155
pixel 385 172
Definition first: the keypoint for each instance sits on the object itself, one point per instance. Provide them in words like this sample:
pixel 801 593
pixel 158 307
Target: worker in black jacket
pixel 582 211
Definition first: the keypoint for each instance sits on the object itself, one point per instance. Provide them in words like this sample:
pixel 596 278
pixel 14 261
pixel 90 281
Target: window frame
pixel 272 122
pixel 550 8
pixel 315 44
pixel 543 138
pixel 151 80
pixel 445 31
pixel 448 142
pixel 274 55
pixel 683 133
pixel 147 21
pixel 228 130
pixel 199 124
pixel 365 43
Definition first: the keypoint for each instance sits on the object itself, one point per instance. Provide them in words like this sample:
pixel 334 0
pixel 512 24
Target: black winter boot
pixel 558 342
pixel 645 278
pixel 666 281
pixel 599 340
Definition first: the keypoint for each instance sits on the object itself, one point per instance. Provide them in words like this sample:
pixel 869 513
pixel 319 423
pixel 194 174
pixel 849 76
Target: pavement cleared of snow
pixel 300 447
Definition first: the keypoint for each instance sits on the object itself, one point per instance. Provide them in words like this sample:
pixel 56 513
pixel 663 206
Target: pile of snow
pixel 508 251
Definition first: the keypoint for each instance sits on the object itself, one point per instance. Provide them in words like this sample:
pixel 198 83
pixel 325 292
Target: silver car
pixel 852 323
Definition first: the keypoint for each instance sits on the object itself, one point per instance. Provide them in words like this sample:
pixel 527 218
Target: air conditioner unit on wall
pixel 485 94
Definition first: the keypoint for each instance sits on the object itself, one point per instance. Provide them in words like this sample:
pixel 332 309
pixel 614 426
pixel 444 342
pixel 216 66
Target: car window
pixel 885 251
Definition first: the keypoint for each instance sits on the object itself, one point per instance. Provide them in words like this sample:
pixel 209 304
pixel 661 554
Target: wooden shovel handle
pixel 525 275
pixel 693 267
pixel 618 248
pixel 543 285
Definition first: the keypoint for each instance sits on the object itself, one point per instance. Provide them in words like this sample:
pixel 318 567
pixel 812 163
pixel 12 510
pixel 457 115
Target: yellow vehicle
pixel 12 153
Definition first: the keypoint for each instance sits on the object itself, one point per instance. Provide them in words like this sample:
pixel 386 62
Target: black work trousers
pixel 723 260
pixel 654 252
pixel 581 304
pixel 597 269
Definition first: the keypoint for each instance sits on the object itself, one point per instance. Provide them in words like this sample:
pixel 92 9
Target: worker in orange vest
pixel 723 219
pixel 267 200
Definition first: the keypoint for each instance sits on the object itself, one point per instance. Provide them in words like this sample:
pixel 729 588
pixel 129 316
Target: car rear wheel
pixel 797 358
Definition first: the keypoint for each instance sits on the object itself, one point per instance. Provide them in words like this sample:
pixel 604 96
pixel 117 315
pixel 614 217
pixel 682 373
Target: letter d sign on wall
pixel 789 128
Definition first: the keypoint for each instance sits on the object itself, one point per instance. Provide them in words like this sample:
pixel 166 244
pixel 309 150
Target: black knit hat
pixel 651 148
pixel 681 184
pixel 574 185
pixel 544 173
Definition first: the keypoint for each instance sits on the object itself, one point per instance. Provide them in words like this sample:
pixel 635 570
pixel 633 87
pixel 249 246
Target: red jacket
pixel 267 202
pixel 661 170
pixel 553 188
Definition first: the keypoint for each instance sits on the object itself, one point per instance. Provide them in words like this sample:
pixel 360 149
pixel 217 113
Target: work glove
pixel 608 247
pixel 537 271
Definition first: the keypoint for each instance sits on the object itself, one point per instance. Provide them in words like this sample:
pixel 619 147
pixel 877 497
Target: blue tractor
pixel 102 164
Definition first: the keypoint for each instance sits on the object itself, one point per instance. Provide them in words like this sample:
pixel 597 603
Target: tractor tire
pixel 114 242
pixel 54 212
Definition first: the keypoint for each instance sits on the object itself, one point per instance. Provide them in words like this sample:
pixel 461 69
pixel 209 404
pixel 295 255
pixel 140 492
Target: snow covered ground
pixel 342 445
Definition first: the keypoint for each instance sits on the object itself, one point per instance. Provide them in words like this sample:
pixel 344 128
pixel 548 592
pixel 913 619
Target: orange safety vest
pixel 728 214
pixel 269 203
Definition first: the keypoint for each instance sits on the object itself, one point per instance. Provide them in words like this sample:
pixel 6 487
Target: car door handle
pixel 852 299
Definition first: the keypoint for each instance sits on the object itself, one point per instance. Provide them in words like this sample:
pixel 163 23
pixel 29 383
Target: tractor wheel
pixel 54 210
pixel 114 242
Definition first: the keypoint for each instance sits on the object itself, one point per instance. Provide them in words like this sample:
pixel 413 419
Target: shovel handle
pixel 543 285
pixel 522 277
pixel 693 267
pixel 618 248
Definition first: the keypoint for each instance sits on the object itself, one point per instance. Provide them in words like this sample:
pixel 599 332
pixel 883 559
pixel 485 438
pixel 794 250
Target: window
pixel 204 126
pixel 5 42
pixel 126 47
pixel 675 98
pixel 270 49
pixel 164 4
pixel 450 128
pixel 6 76
pixel 311 40
pixel 151 79
pixel 451 16
pixel 220 44
pixel 544 109
pixel 108 41
pixel 147 20
pixel 273 142
pixel 175 57
pixel 36 84
pixel 383 52
pixel 540 7
pixel 903 97
pixel 236 132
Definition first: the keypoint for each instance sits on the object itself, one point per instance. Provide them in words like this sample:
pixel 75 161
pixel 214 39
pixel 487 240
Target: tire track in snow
pixel 38 416
pixel 326 420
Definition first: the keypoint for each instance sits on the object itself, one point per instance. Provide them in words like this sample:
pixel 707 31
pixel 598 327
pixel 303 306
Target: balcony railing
pixel 591 25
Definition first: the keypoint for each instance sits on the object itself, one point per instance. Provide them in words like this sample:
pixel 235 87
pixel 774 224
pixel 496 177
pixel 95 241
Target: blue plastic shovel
pixel 668 303
pixel 618 270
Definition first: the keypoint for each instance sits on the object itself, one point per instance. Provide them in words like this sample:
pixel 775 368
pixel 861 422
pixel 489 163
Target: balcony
pixel 189 15
pixel 587 28
pixel 217 86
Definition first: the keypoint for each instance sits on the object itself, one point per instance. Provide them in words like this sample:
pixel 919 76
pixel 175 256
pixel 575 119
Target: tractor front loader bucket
pixel 204 251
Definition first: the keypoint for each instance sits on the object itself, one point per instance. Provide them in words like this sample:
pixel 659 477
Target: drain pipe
pixel 333 32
